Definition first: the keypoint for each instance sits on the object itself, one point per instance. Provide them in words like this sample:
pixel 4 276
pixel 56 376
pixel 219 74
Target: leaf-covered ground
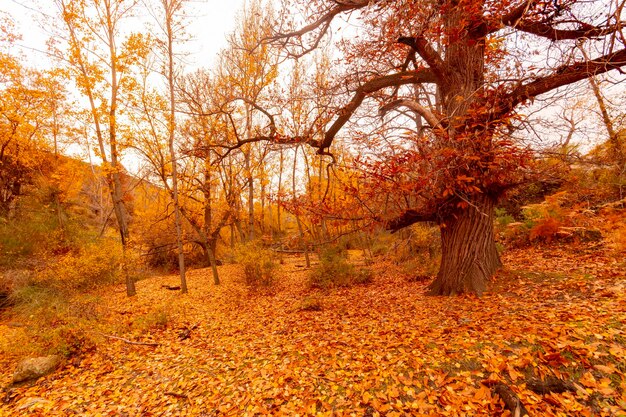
pixel 381 349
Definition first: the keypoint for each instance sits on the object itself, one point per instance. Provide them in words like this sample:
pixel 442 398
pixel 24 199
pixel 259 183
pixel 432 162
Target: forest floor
pixel 379 349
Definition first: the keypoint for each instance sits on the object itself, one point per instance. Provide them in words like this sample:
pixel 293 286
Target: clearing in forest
pixel 385 348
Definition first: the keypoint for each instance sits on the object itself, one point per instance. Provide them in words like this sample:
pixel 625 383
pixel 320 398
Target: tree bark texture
pixel 469 256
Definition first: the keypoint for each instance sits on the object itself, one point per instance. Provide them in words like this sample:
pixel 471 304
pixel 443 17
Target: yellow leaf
pixel 366 397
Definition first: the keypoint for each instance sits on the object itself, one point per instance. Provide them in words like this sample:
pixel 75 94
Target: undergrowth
pixel 258 264
pixel 334 270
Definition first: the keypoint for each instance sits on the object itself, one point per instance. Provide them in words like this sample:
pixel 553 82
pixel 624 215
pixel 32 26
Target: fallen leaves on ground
pixel 381 349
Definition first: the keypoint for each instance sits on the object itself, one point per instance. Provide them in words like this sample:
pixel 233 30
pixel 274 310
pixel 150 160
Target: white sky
pixel 210 21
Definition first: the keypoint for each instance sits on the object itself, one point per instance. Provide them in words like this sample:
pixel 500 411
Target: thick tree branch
pixel 515 19
pixel 509 19
pixel 425 50
pixel 393 80
pixel 413 105
pixel 585 31
pixel 323 24
pixel 562 76
pixel 408 218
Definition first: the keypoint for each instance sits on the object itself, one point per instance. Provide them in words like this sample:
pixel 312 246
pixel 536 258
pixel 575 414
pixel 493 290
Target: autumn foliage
pixel 272 235
pixel 371 349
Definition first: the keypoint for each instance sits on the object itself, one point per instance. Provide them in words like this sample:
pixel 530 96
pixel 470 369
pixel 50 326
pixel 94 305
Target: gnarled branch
pixel 429 116
pixel 408 218
pixel 323 24
pixel 376 84
pixel 420 45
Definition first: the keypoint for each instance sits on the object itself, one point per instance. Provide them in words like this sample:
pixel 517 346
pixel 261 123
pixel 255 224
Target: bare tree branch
pixel 585 31
pixel 323 24
pixel 515 19
pixel 562 76
pixel 413 105
pixel 376 84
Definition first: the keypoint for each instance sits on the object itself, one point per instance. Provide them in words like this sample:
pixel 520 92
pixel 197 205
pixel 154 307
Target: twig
pixel 171 287
pixel 185 333
pixel 130 342
pixel 175 394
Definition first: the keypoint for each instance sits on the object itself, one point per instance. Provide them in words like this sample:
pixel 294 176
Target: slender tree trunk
pixel 270 220
pixel 117 192
pixel 298 222
pixel 113 177
pixel 262 213
pixel 280 186
pixel 57 201
pixel 250 180
pixel 469 257
pixel 170 9
pixel 614 139
pixel 210 251
pixel 208 221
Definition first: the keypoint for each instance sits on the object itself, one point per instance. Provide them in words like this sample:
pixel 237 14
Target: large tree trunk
pixel 469 256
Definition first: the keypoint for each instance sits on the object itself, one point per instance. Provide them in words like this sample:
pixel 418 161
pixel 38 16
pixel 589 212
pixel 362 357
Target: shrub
pixel 422 267
pixel 67 340
pixel 310 303
pixel 334 270
pixel 35 297
pixel 545 229
pixel 363 276
pixel 93 265
pixel 503 219
pixel 157 318
pixel 617 238
pixel 382 243
pixel 258 264
pixel 11 282
pixel 53 324
pixel 418 241
pixel 541 222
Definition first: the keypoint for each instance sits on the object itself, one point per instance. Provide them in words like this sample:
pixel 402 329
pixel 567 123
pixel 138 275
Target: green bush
pixel 258 264
pixel 503 219
pixel 334 270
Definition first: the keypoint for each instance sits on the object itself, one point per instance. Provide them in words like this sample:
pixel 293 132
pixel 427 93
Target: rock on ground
pixel 33 368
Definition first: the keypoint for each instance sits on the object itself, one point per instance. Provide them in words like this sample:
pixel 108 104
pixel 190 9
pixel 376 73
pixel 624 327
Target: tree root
pixel 550 384
pixel 510 399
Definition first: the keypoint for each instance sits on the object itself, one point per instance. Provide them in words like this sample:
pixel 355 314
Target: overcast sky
pixel 210 21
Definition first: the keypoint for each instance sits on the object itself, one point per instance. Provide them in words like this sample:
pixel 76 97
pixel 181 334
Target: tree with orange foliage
pixel 449 76
pixel 100 59
pixel 30 122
